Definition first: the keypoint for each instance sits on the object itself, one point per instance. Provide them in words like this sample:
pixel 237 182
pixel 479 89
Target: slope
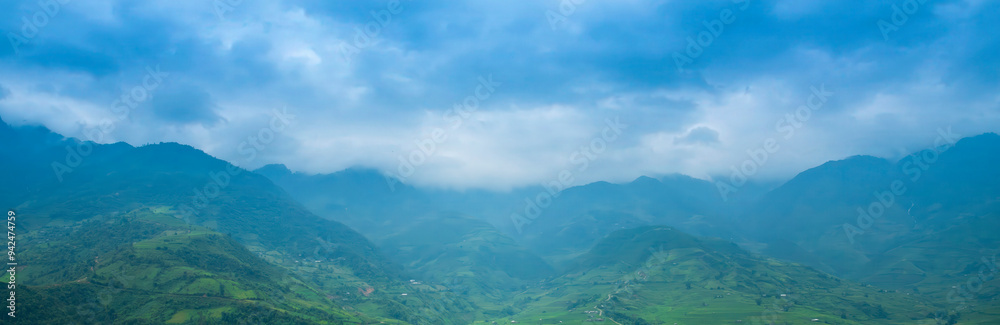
pixel 205 193
pixel 653 275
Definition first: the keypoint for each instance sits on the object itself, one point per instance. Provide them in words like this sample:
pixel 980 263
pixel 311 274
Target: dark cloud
pixel 608 60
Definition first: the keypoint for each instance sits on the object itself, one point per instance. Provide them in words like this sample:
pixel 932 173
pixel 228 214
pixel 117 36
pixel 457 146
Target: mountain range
pixel 165 233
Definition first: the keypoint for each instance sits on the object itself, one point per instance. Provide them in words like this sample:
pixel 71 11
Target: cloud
pixel 609 59
pixel 700 135
pixel 184 105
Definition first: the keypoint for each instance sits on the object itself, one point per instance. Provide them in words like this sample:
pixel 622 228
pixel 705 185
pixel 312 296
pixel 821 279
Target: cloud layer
pixel 500 94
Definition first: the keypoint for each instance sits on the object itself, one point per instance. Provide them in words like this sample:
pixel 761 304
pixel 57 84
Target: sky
pixel 504 94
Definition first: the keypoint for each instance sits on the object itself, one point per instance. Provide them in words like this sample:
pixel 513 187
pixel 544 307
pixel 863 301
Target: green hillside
pixel 467 257
pixel 658 275
pixel 145 266
pixel 195 229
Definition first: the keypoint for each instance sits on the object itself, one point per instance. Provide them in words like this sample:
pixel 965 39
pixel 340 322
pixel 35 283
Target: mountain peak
pixel 176 155
pixel 834 174
pixel 168 146
pixel 632 246
pixel 171 149
pixel 852 164
pixel 860 159
pixel 274 170
pixel 645 180
pixel 985 139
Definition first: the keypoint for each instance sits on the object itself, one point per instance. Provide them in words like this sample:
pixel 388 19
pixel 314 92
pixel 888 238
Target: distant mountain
pixel 965 175
pixel 946 207
pixel 924 223
pixel 651 275
pixel 581 215
pixel 436 235
pixel 571 224
pixel 360 198
pixel 814 206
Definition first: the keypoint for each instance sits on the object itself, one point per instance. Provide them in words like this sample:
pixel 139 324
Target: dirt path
pixel 600 312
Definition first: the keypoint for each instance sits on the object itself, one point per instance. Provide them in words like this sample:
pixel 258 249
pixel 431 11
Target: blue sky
pixel 559 69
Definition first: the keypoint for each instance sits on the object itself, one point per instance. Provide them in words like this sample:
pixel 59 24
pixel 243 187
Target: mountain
pixel 571 223
pixel 812 208
pixel 164 233
pixel 656 275
pixel 438 236
pixel 360 198
pixel 205 191
pixel 200 239
pixel 401 219
pixel 947 209
pixel 148 267
pixel 469 257
pixel 925 223
pixel 581 215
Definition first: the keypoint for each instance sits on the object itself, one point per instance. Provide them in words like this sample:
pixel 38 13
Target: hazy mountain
pixel 167 233
pixel 926 222
pixel 582 215
pixel 651 275
pixel 571 223
pixel 177 223
pixel 428 231
pixel 924 239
